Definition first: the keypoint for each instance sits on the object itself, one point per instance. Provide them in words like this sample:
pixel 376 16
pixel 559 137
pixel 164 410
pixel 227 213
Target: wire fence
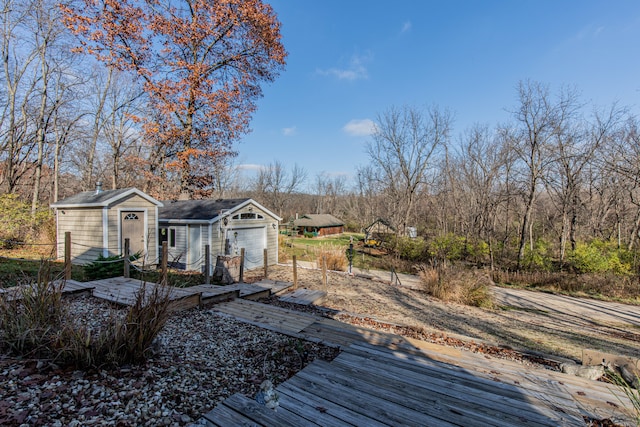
pixel 74 252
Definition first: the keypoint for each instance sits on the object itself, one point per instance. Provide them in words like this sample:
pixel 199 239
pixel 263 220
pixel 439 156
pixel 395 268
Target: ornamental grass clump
pixel 134 335
pixel 334 256
pixel 31 315
pixel 469 287
pixel 630 389
pixel 124 339
pixel 34 323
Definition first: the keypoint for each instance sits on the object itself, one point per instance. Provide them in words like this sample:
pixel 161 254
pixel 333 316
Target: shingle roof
pixel 198 210
pixel 102 198
pixel 318 220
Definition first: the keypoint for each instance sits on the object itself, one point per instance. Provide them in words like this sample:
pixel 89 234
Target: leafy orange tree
pixel 201 62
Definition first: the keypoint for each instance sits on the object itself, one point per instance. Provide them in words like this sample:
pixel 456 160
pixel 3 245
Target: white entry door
pixel 253 240
pixel 132 228
pixel 194 252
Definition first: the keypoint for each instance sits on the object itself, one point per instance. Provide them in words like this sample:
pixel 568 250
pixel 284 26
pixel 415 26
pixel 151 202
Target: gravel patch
pixel 201 358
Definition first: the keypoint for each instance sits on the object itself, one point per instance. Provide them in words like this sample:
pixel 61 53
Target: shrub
pixel 407 248
pixel 448 247
pixel 600 256
pixel 540 257
pixel 17 223
pixel 335 257
pixel 469 287
pixel 133 336
pixel 282 244
pixel 105 267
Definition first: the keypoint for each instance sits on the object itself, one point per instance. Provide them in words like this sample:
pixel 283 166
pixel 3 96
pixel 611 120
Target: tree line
pixel 154 95
pixel 130 92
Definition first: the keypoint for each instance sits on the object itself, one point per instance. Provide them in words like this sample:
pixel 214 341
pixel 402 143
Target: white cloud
pixel 289 131
pixel 250 167
pixel 356 127
pixel 355 71
pixel 406 27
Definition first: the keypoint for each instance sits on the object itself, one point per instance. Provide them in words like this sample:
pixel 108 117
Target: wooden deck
pixel 304 296
pixel 69 287
pixel 124 291
pixel 381 379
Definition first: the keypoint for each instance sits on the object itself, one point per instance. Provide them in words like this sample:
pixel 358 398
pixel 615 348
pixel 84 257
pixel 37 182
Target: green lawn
pixel 15 272
pixel 306 249
pixel 336 240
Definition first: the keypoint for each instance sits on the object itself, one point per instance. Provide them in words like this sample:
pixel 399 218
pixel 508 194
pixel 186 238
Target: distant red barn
pixel 319 224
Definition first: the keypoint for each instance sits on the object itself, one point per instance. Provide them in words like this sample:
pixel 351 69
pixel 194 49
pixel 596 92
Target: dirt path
pixel 541 322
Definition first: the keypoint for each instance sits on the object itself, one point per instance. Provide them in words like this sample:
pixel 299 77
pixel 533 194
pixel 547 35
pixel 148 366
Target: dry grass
pixel 283 253
pixel 629 389
pixel 335 257
pixel 469 287
pixel 602 286
pixel 34 323
pixel 31 315
pixel 124 340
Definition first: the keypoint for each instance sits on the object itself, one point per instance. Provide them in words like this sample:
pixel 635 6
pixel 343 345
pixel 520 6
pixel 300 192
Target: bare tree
pixel 327 191
pixel 17 60
pixel 481 169
pixel 403 147
pixel 277 185
pixel 538 121
pixel 574 148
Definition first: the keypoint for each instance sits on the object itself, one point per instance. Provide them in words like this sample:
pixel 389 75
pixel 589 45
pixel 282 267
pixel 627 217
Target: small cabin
pixel 100 221
pixel 319 224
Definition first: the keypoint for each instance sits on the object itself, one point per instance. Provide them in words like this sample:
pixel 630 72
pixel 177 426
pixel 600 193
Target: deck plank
pixel 465 399
pixel 257 413
pixel 317 407
pixel 279 320
pixel 365 404
pixel 304 296
pixel 498 370
pixel 277 287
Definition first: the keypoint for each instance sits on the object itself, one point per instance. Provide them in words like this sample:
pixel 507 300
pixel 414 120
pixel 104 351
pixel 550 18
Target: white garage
pixel 254 242
pixel 225 225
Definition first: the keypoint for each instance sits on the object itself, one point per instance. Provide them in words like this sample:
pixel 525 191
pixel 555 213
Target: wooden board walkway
pixel 385 379
pixel 123 291
pixel 304 296
pixel 68 287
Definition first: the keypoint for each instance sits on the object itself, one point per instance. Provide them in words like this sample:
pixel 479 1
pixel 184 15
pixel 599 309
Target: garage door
pixel 253 242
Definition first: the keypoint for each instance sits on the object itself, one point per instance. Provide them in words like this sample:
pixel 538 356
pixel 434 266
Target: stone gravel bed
pixel 201 358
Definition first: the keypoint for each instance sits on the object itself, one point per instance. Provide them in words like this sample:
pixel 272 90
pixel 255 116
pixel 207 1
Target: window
pixel 168 235
pixel 247 215
pixel 131 216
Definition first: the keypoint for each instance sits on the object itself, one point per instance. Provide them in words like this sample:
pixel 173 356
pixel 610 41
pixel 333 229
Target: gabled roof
pixel 88 199
pixel 379 221
pixel 204 211
pixel 318 220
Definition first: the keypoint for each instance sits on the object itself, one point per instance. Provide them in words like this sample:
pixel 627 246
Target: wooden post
pixel 126 258
pixel 207 265
pixel 67 255
pixel 241 279
pixel 266 259
pixel 295 273
pixel 324 271
pixel 164 263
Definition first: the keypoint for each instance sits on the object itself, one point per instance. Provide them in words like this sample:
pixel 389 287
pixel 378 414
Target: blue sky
pixel 350 60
